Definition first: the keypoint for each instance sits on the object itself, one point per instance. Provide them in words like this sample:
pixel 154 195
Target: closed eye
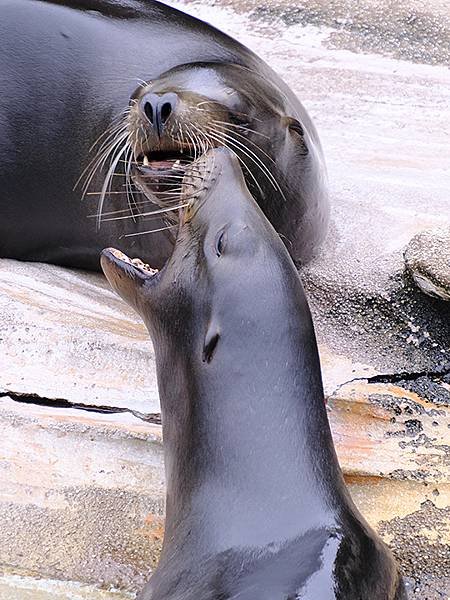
pixel 220 243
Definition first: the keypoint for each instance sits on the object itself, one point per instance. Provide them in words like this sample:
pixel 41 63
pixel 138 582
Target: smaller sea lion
pixel 256 506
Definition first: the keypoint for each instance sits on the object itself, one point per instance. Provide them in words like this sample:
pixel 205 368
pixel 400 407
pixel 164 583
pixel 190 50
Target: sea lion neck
pixel 241 432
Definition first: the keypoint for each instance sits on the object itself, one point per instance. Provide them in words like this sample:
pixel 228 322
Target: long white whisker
pixel 231 135
pixel 98 162
pixel 106 184
pixel 251 155
pixel 148 213
pixel 127 235
pixel 243 127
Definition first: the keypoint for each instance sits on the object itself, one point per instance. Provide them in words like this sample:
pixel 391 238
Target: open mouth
pixel 153 164
pixel 135 262
pixel 115 264
pixel 160 172
pixel 169 179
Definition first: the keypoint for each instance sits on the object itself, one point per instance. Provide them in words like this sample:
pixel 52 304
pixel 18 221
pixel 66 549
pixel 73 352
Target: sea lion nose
pixel 158 108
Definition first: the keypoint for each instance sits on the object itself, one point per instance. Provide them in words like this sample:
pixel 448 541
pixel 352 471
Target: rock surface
pixel 81 473
pixel 427 258
pixel 65 335
pixel 82 485
pixel 15 587
pixel 81 494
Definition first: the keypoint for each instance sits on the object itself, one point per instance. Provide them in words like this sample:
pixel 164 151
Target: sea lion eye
pixel 220 243
pixel 294 125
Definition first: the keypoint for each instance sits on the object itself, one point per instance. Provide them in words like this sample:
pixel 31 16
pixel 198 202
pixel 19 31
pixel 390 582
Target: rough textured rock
pixel 394 448
pixel 427 257
pixel 384 431
pixel 15 587
pixel 65 335
pixel 81 494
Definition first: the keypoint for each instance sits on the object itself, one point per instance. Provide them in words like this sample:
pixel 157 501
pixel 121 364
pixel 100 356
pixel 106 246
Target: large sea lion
pixel 109 100
pixel 256 508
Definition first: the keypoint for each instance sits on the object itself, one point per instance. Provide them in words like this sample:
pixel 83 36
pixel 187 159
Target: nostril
pixel 148 109
pixel 166 111
pixel 157 109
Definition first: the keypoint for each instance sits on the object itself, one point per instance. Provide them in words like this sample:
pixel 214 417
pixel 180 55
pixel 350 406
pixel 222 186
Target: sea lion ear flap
pixel 211 339
pixel 125 276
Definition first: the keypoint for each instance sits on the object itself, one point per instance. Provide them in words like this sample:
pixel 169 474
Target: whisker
pixel 127 235
pixel 244 166
pixel 244 127
pixel 175 200
pixel 142 83
pixel 129 183
pixel 107 182
pixel 251 155
pixel 99 161
pixel 148 213
pixel 246 139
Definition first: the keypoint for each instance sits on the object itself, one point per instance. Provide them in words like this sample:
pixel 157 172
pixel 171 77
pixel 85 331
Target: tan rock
pixel 65 335
pixel 81 494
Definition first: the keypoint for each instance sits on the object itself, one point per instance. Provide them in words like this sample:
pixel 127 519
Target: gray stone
pixel 81 494
pixel 427 257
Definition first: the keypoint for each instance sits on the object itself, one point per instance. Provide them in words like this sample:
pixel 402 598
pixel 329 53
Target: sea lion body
pixel 67 70
pixel 256 503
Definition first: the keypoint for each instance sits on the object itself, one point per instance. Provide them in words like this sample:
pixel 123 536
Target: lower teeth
pixel 137 262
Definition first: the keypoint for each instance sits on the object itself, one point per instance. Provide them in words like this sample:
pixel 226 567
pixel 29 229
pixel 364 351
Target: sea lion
pixel 256 503
pixel 109 100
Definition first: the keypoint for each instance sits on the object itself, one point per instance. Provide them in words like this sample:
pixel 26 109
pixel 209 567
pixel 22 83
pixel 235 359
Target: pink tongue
pixel 161 164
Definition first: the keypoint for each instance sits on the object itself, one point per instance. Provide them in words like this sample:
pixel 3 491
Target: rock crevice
pixel 27 398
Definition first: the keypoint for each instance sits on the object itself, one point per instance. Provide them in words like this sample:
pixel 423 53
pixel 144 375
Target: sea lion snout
pixel 126 276
pixel 157 109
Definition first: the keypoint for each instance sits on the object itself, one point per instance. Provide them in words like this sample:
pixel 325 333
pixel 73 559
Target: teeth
pixel 145 162
pixel 137 262
pixel 176 163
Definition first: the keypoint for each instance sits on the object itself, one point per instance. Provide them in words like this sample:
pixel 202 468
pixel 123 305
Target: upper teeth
pixel 146 162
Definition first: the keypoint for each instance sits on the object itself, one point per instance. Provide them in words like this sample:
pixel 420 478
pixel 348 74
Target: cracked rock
pixel 65 336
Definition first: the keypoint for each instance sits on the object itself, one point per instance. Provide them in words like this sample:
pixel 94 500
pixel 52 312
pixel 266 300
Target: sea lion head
pixel 176 118
pixel 228 266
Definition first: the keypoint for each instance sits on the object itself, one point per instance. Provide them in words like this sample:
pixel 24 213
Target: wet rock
pixel 427 257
